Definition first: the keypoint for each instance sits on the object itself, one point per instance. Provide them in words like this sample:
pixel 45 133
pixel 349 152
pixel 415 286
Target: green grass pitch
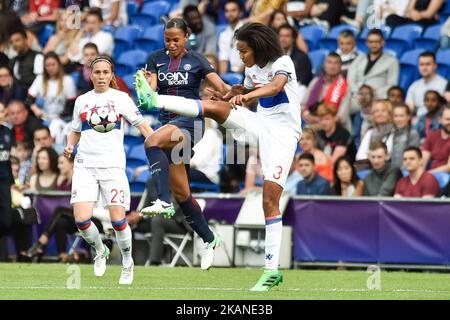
pixel 49 281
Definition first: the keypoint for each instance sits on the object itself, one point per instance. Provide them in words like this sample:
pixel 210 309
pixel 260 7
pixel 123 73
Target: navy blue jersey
pixel 179 76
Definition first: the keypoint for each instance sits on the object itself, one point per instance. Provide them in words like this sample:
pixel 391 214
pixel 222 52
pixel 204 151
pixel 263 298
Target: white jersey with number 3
pixel 103 150
pixel 284 107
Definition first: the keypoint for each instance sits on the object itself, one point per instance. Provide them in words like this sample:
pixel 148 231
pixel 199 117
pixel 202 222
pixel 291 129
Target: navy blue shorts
pixel 193 129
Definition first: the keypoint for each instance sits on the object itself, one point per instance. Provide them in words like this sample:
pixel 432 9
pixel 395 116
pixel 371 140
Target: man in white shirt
pixel 430 81
pixel 92 32
pixel 228 53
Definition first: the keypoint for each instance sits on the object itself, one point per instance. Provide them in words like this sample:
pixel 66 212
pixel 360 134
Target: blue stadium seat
pixel 363 173
pixel 219 29
pixel 403 37
pixel 143 176
pixel 108 28
pixel 442 178
pixel 130 61
pixel 75 77
pixel 137 152
pixel 132 8
pixel 443 61
pixel 317 58
pixel 129 172
pixel 232 78
pixel 151 13
pixel 152 39
pixel 124 38
pixel 137 187
pixel 312 34
pixel 430 38
pixel 132 140
pixel 411 57
pixel 129 81
pixel 46 33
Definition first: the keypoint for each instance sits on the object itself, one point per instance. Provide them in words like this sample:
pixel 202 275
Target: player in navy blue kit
pixel 176 71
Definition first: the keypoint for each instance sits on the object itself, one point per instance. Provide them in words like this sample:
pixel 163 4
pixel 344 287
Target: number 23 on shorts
pixel 117 194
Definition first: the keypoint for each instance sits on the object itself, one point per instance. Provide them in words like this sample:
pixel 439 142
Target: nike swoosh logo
pixel 165 207
pixel 154 164
pixel 160 64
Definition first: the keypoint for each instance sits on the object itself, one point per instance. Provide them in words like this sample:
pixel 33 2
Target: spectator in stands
pixel 92 32
pixel 90 52
pixel 447 92
pixel 20 224
pixel 158 225
pixel 302 64
pixel 385 8
pixel 444 42
pixel 382 129
pixel 330 88
pixel 253 171
pixel 346 50
pixel 404 135
pixel 436 148
pixel 346 181
pixel 113 12
pixel 430 81
pixel 42 138
pixel 361 14
pixel 434 103
pixel 383 177
pixel 279 18
pixel 42 12
pixel 8 90
pixel 56 90
pixel 206 162
pixel 54 225
pixel 312 184
pixel 423 12
pixel 323 163
pixel 332 137
pixel 229 59
pixel 376 69
pixel 28 63
pixel 24 123
pixel 396 95
pixel 294 176
pixel 203 37
pixel 418 182
pixel 363 117
pixel 4 115
pixel 46 176
pixel 262 10
pixel 23 152
pixel 63 38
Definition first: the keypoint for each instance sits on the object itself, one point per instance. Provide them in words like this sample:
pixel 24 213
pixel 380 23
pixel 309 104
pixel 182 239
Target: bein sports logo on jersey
pixel 174 78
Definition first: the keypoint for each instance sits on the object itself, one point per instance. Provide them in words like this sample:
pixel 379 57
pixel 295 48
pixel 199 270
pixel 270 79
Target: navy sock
pixel 159 167
pixel 196 220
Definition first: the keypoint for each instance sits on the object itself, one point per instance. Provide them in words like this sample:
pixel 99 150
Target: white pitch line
pixel 227 289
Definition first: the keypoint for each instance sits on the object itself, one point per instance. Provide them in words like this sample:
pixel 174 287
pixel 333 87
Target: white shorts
pixel 109 183
pixel 277 142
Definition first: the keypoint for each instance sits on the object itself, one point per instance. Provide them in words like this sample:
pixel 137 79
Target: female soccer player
pixel 276 126
pixel 99 167
pixel 176 71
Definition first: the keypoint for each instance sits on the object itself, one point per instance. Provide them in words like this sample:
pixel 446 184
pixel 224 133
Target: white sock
pixel 274 227
pixel 92 237
pixel 124 242
pixel 180 105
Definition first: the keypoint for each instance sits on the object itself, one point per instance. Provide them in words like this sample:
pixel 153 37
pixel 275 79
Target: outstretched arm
pixel 268 90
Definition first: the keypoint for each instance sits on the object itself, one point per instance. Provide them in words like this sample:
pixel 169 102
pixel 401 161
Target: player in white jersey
pixel 276 126
pixel 99 166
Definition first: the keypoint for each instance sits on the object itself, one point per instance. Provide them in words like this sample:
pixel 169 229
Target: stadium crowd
pixel 373 75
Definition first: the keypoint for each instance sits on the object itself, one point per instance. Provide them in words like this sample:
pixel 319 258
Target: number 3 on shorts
pixel 115 192
pixel 277 175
